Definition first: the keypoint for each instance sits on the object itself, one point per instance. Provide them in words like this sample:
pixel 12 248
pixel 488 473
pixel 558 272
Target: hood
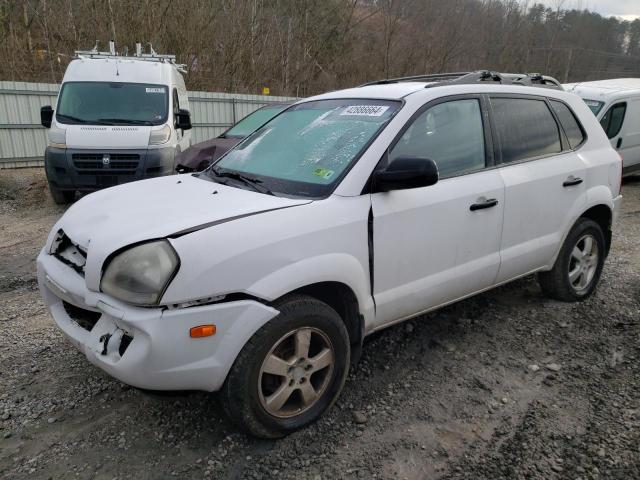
pixel 208 151
pixel 110 219
pixel 107 136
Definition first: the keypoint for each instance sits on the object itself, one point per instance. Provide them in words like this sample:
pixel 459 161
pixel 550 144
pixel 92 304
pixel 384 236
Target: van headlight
pixel 160 136
pixel 141 274
pixel 57 136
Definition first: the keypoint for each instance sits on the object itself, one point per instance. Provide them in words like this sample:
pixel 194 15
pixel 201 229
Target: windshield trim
pixel 111 124
pixel 401 103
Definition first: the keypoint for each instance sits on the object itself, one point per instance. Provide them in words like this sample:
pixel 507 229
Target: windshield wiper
pixel 125 121
pixel 70 118
pixel 252 182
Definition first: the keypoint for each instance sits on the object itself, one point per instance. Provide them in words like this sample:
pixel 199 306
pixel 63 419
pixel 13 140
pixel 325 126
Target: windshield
pixel 252 121
pixel 112 103
pixel 305 150
pixel 594 105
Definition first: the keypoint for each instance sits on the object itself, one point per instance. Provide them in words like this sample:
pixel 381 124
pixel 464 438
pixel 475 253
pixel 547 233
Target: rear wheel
pixel 290 371
pixel 578 267
pixel 62 197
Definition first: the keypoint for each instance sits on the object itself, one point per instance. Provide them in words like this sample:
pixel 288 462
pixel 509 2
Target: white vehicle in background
pixel 117 119
pixel 345 213
pixel 616 104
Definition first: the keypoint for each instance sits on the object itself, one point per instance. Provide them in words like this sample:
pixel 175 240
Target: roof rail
pixel 461 78
pixel 152 56
pixel 417 78
pixel 525 79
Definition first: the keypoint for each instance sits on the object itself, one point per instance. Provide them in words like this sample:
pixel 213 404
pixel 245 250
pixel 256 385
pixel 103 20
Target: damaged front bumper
pixel 148 347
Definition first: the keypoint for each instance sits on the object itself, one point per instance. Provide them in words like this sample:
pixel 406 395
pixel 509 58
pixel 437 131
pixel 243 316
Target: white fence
pixel 23 140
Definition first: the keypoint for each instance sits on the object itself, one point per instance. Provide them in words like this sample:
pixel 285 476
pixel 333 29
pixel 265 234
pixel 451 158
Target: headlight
pixel 141 274
pixel 160 136
pixel 57 136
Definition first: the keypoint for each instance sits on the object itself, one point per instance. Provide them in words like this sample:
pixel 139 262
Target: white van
pixel 117 119
pixel 616 103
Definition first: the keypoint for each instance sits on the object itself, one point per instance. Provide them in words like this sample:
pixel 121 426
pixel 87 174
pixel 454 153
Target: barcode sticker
pixel 154 90
pixel 365 110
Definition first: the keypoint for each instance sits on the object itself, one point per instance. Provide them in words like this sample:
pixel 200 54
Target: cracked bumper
pixel 160 355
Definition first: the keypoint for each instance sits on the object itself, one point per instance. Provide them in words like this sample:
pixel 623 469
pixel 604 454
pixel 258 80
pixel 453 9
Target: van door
pixel 544 178
pixel 621 122
pixel 435 244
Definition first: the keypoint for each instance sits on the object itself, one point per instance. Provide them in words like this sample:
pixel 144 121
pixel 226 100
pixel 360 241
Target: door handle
pixel 491 202
pixel 571 181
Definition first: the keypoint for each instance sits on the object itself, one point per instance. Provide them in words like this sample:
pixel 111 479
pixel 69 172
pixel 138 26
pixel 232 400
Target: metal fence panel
pixel 23 140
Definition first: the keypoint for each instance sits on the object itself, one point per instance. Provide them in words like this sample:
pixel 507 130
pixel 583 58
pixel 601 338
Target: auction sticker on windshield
pixel 365 110
pixel 154 90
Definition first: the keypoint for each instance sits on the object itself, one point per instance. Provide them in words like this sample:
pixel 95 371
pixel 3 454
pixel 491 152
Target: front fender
pixel 331 267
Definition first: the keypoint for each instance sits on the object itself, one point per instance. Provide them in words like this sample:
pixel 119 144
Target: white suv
pixel 346 213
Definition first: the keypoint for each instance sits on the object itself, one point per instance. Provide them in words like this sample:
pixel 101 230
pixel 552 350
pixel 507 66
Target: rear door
pixel 435 244
pixel 543 175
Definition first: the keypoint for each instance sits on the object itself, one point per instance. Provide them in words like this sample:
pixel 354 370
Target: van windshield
pixel 112 103
pixel 306 149
pixel 594 105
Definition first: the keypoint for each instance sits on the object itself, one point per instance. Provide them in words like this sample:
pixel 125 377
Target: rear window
pixel 612 120
pixel 569 123
pixel 526 128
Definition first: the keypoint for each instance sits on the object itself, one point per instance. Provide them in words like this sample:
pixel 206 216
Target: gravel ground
pixel 508 384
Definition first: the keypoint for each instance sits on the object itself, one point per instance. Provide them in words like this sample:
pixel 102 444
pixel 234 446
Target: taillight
pixel 621 169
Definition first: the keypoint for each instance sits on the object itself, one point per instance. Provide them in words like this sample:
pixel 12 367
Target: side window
pixel 526 128
pixel 569 122
pixel 451 134
pixel 612 120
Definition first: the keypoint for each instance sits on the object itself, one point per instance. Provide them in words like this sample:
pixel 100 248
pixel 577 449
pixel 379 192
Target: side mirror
pixel 46 116
pixel 183 119
pixel 404 173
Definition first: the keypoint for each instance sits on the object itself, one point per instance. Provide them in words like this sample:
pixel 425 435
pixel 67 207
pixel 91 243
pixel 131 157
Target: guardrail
pixel 23 140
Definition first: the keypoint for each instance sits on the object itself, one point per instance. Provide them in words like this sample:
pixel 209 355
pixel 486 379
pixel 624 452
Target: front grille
pixel 87 319
pixel 94 163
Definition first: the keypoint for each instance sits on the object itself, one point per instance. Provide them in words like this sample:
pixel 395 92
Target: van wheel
pixel 578 267
pixel 290 371
pixel 62 197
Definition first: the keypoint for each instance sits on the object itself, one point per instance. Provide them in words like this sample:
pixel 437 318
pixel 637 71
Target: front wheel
pixel 578 267
pixel 290 371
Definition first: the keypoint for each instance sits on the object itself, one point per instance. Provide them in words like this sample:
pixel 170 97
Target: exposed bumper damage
pixel 148 347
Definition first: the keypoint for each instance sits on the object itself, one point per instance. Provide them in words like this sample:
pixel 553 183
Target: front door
pixel 621 122
pixel 435 244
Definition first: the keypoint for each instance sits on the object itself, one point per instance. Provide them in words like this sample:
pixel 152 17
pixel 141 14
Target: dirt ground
pixel 505 385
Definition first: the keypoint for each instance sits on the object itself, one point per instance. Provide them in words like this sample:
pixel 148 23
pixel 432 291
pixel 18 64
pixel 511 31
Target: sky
pixel 626 9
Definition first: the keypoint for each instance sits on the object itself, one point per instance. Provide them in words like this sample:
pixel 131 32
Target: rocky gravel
pixel 506 385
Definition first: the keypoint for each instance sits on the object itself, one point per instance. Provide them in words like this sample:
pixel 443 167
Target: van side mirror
pixel 404 173
pixel 46 116
pixel 183 120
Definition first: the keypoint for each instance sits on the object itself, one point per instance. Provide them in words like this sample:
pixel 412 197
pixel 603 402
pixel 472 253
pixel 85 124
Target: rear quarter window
pixel 572 128
pixel 526 128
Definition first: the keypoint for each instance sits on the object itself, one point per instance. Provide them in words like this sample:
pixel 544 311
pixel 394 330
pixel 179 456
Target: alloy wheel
pixel 296 372
pixel 583 263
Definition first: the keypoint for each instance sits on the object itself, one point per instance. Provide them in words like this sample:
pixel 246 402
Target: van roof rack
pixel 152 56
pixel 461 78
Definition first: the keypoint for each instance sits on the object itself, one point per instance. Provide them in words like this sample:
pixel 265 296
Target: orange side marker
pixel 202 331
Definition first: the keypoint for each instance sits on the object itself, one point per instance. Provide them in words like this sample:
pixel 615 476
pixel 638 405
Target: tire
pixel 562 282
pixel 249 395
pixel 62 197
